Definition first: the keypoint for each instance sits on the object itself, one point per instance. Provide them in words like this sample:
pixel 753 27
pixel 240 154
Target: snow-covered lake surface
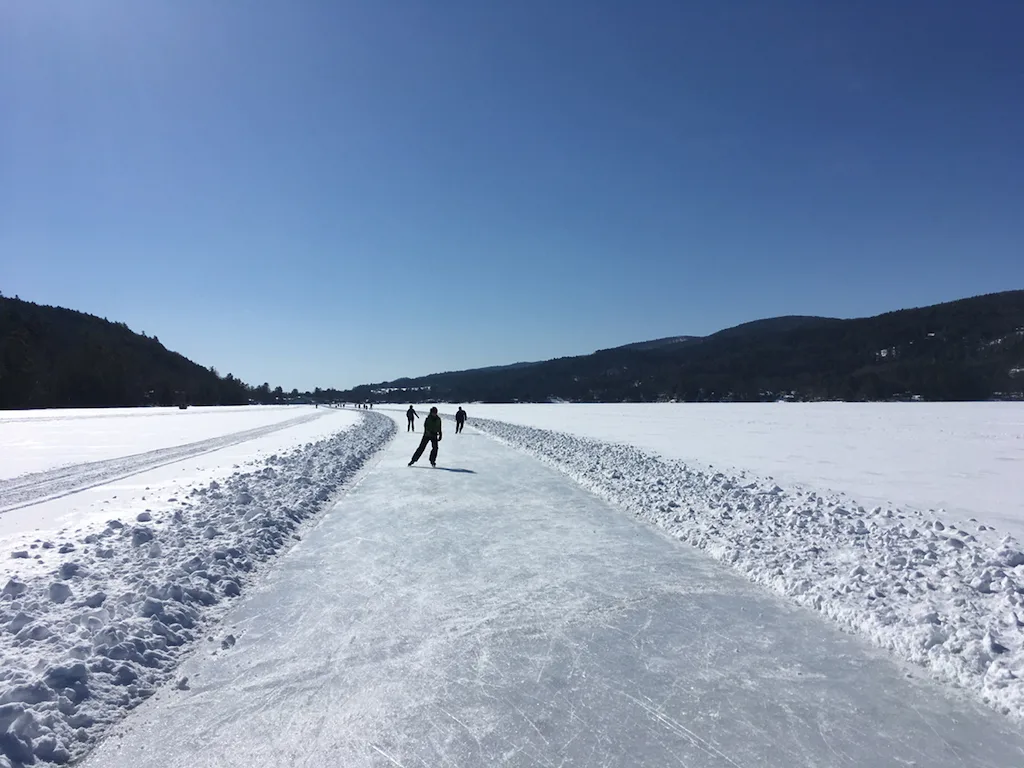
pixel 85 467
pixel 966 458
pixel 34 441
pixel 492 611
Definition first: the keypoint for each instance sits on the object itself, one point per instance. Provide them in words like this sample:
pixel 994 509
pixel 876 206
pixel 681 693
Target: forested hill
pixel 53 357
pixel 972 349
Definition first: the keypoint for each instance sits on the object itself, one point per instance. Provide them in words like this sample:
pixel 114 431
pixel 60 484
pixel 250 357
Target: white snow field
pixel 34 441
pixel 492 612
pixel 965 459
pixel 133 456
pixel 111 569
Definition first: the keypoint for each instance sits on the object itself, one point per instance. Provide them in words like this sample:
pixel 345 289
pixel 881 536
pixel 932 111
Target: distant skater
pixel 411 416
pixel 460 420
pixel 432 435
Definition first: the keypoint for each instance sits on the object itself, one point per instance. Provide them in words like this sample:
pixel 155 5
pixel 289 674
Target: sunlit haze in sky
pixel 332 193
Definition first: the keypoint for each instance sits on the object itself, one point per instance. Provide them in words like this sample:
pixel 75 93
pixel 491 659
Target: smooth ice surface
pixel 492 612
pixel 966 458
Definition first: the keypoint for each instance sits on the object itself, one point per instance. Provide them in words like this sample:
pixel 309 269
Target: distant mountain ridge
pixel 655 343
pixel 970 349
pixel 771 325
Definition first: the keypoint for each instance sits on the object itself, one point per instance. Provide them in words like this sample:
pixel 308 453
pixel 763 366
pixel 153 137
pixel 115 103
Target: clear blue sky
pixel 331 193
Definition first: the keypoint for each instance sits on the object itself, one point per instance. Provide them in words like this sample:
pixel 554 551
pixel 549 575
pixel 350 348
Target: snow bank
pixel 37 441
pixel 964 459
pixel 96 635
pixel 948 598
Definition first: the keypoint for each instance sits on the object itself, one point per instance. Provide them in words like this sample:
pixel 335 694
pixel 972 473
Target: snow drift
pixel 97 635
pixel 948 598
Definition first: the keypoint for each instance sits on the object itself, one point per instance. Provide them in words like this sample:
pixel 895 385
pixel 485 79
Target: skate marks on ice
pixel 37 487
pixel 509 617
pixel 105 623
pixel 949 598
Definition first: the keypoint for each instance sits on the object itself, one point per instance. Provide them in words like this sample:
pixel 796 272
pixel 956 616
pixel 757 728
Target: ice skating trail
pixel 492 612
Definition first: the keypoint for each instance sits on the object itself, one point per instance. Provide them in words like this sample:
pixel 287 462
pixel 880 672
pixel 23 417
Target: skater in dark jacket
pixel 460 420
pixel 432 435
pixel 411 416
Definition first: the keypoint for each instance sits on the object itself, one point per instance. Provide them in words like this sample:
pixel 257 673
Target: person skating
pixel 411 416
pixel 432 435
pixel 460 420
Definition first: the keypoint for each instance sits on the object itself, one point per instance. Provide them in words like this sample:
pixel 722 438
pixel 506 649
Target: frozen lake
pixel 966 458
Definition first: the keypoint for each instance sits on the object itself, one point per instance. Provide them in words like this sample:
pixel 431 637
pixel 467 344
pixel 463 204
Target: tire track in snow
pixel 37 487
pixel 75 414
